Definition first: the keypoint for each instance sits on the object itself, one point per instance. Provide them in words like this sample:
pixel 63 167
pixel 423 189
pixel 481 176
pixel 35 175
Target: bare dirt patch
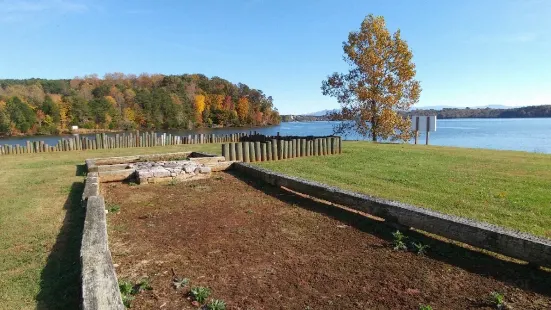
pixel 260 247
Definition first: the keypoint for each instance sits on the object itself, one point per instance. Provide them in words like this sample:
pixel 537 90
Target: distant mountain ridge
pixel 443 112
pixel 436 107
pixel 441 107
pixel 523 112
pixel 322 112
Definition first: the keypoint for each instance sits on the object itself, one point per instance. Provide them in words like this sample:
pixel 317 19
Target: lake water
pixel 526 134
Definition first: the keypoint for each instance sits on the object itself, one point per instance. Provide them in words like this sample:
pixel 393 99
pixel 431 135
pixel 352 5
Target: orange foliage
pixel 117 95
pixel 228 104
pixel 111 100
pixel 258 117
pixel 40 116
pixel 56 98
pixel 175 99
pixel 215 101
pixel 381 79
pixel 243 108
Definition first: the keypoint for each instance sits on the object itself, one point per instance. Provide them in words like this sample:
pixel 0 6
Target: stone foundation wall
pixel 99 280
pixel 100 288
pixel 154 172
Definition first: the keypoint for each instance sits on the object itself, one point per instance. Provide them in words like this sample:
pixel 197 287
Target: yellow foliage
pixel 199 107
pixel 48 120
pixel 2 105
pixel 200 103
pixel 129 114
pixel 111 100
pixel 108 120
pixel 63 116
pixel 380 84
pixel 242 107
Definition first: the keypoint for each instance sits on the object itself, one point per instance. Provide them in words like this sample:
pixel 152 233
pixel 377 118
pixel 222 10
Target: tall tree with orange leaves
pixel 380 84
pixel 242 108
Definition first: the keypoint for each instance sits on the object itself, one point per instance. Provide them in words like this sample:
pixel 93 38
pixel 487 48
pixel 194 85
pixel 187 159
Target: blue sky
pixel 468 53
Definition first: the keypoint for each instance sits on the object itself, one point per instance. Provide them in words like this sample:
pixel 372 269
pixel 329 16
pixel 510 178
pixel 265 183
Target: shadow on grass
pixel 60 279
pixel 81 170
pixel 522 276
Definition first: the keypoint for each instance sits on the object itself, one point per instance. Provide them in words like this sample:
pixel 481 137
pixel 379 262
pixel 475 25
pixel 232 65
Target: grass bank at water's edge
pixel 506 188
pixel 41 224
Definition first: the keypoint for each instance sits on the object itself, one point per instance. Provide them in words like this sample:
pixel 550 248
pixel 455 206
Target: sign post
pixel 423 123
pixel 416 129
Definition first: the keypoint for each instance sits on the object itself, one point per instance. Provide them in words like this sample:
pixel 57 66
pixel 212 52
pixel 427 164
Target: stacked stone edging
pixel 152 172
pixel 497 239
pixel 100 289
pixel 91 187
pixel 95 164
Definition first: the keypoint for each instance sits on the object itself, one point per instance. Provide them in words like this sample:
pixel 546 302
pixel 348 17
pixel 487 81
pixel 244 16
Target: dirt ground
pixel 261 247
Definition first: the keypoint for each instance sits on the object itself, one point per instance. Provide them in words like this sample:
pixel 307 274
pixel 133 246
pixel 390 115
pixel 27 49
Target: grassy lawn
pixel 500 187
pixel 41 221
pixel 41 217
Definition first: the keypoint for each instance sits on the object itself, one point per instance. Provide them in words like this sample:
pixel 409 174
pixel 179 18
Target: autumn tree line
pixel 126 102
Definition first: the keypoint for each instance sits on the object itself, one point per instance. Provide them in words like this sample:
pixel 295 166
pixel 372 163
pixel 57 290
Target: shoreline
pixel 96 131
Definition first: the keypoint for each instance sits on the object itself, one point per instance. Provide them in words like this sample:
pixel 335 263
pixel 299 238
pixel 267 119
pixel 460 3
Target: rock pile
pixel 152 172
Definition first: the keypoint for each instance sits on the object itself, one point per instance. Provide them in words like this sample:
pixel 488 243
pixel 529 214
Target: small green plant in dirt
pixel 498 300
pixel 112 208
pixel 126 290
pixel 200 293
pixel 216 304
pixel 132 183
pixel 425 307
pixel 179 283
pixel 143 285
pixel 399 242
pixel 419 248
pixel 173 182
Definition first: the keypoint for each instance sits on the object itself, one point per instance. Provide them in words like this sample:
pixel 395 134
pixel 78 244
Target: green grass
pixel 41 217
pixel 506 188
pixel 41 225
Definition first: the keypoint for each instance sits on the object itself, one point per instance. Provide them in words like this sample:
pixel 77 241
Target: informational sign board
pixel 423 123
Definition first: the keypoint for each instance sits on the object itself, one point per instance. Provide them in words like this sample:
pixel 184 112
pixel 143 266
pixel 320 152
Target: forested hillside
pixel 127 102
pixel 524 112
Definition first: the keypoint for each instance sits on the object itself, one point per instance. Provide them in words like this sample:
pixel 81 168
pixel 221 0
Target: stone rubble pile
pixel 150 172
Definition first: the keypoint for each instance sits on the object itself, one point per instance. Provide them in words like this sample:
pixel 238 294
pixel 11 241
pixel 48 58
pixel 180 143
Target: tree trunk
pixel 374 121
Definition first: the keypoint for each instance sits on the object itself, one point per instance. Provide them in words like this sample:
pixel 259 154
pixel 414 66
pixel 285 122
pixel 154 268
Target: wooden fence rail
pixel 280 148
pixel 123 140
